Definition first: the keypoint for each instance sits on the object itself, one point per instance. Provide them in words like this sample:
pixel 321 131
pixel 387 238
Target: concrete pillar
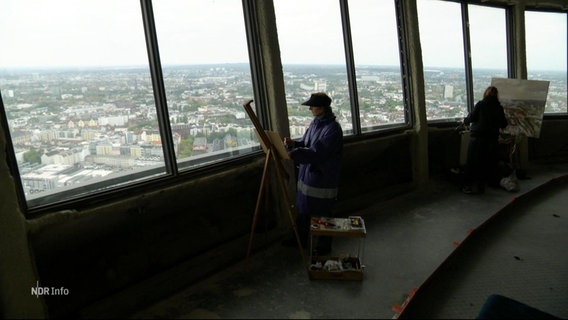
pixel 17 268
pixel 272 67
pixel 419 146
pixel 521 68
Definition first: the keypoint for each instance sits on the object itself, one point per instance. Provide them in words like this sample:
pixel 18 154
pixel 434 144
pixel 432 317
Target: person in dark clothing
pixel 486 119
pixel 318 155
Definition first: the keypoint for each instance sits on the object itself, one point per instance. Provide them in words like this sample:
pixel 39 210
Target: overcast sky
pixel 109 32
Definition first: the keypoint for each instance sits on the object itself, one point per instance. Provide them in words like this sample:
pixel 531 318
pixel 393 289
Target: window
pixel 80 101
pixel 77 91
pixel 546 55
pixel 203 50
pixel 488 38
pixel 313 53
pixel 443 59
pixel 377 63
pixel 313 59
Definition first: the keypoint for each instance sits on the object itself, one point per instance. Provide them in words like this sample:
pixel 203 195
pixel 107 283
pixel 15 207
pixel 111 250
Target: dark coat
pixel 318 154
pixel 487 118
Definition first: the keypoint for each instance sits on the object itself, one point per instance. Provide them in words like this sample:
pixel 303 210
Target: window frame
pixel 352 79
pixel 528 8
pixel 405 74
pixel 512 71
pixel 357 133
pixel 96 195
pixel 509 45
pixel 103 191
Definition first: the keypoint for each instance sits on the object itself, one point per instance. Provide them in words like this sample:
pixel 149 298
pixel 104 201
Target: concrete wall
pixel 138 244
pixel 552 144
pixel 125 253
pixel 17 267
pixel 99 251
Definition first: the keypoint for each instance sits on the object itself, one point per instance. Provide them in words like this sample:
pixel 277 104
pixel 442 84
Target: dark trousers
pixel 482 162
pixel 309 207
pixel 303 222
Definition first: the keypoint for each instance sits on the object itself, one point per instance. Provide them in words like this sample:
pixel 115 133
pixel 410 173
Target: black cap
pixel 318 99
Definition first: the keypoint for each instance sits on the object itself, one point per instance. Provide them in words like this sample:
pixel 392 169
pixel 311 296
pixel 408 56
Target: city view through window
pixel 70 127
pixel 82 109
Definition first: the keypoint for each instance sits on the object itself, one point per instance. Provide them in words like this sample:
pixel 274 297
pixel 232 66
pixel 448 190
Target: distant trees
pixel 212 136
pixel 185 147
pixel 33 156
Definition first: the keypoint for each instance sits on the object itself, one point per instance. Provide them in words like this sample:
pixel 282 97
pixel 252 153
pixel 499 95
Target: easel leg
pixel 291 210
pixel 258 204
pixel 270 155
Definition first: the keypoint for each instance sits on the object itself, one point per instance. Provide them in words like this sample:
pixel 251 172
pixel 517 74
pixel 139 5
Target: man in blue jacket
pixel 318 154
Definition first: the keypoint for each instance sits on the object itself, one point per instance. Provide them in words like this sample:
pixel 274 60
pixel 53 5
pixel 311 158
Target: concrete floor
pixel 519 254
pixel 408 238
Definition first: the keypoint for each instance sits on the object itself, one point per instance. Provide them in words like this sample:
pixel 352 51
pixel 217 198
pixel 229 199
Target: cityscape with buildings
pixel 70 127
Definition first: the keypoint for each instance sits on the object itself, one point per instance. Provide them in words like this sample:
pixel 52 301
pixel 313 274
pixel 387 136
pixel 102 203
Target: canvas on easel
pixel 273 147
pixel 276 141
pixel 523 102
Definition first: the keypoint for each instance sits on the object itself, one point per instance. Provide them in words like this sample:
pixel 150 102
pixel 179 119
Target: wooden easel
pixel 272 157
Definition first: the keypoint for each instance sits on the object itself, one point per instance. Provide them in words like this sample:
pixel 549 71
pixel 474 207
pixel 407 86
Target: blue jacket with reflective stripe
pixel 318 154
